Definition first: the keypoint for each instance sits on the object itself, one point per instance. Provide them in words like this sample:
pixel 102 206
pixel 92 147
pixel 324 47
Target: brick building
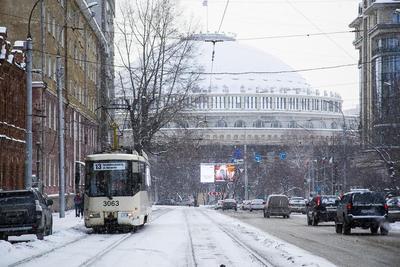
pixel 12 126
pixel 67 26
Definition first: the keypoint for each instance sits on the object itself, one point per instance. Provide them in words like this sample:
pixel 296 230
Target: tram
pixel 116 193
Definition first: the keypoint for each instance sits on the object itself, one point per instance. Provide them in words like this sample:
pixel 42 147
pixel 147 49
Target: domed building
pixel 251 97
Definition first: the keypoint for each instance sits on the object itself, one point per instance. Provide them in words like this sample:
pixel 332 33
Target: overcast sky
pixel 266 18
pixel 271 18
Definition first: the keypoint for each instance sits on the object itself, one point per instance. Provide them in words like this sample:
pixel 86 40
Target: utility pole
pixel 61 177
pixel 246 181
pixel 28 150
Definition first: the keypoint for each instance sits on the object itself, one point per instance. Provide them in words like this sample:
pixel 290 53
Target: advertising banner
pixel 207 172
pixel 217 172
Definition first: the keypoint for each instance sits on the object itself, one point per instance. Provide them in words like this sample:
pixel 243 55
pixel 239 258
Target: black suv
pixel 25 212
pixel 321 208
pixel 365 209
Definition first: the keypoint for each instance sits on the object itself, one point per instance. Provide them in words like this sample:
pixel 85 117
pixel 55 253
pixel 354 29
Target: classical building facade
pixel 378 42
pixel 68 27
pixel 271 105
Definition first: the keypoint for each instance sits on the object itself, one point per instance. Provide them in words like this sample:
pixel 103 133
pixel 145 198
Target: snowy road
pixel 178 236
pixel 361 248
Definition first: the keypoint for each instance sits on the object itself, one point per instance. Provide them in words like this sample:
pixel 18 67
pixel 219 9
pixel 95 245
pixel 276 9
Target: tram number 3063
pixel 110 203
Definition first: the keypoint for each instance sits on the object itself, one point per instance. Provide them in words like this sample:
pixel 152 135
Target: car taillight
pixel 349 206
pixel 318 201
pixel 386 207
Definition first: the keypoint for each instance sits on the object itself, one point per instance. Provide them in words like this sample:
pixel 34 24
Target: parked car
pixel 257 204
pixel 218 205
pixel 393 208
pixel 297 204
pixel 321 208
pixel 277 205
pixel 362 209
pixel 229 204
pixel 25 212
pixel 245 205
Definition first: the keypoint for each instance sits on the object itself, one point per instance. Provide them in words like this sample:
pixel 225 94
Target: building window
pixel 240 124
pixel 334 125
pixel 396 17
pixel 276 124
pixel 292 124
pixel 221 123
pixel 258 124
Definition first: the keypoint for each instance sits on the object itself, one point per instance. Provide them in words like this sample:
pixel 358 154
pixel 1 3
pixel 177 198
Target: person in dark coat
pixel 78 203
pixel 81 206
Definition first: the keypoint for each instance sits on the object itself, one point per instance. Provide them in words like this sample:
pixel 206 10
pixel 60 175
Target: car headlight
pixel 94 215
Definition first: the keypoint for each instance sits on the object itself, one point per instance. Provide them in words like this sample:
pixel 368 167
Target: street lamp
pixel 28 142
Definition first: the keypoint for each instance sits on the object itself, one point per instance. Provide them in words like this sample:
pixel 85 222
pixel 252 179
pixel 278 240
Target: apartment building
pixel 378 42
pixel 69 29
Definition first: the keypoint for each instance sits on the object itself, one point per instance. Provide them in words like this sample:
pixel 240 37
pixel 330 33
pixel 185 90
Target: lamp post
pixel 28 144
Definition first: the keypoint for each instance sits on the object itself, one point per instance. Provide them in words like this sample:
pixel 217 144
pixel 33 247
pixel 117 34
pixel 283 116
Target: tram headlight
pixel 94 215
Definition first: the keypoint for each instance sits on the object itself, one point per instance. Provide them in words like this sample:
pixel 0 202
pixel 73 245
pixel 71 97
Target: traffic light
pixel 391 171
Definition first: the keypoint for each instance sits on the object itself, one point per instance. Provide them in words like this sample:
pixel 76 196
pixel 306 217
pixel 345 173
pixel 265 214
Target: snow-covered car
pixel 297 204
pixel 257 204
pixel 218 205
pixel 393 204
pixel 245 205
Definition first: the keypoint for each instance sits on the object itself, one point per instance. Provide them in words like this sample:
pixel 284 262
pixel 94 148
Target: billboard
pixel 217 172
pixel 207 172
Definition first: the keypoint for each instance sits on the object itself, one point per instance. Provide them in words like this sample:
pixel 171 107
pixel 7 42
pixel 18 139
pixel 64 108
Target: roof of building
pixel 239 68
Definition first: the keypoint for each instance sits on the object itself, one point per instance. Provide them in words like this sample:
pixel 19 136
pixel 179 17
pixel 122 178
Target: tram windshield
pixel 114 178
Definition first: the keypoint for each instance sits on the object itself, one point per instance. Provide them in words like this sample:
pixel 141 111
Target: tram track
pixel 192 258
pixel 253 253
pixel 90 261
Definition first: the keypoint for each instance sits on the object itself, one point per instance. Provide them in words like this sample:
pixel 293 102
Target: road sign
pixel 237 154
pixel 213 193
pixel 257 158
pixel 282 155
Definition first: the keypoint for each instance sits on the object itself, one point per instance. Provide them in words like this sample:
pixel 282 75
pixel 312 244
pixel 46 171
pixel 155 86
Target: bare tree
pixel 158 70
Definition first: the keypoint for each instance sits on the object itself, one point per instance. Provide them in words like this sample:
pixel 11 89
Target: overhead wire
pixel 223 16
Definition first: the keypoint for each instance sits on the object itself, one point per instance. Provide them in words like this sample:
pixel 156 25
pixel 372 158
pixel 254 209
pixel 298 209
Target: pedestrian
pixel 77 202
pixel 81 205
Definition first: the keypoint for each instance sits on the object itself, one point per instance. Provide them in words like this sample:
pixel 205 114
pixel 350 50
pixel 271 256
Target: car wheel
pixel 288 216
pixel 267 215
pixel 384 230
pixel 346 228
pixel 374 229
pixel 251 210
pixel 339 228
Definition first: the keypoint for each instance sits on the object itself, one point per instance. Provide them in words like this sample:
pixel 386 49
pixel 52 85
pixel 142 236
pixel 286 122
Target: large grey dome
pixel 234 57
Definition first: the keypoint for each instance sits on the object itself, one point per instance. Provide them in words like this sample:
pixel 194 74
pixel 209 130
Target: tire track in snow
pixel 193 257
pixel 253 253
